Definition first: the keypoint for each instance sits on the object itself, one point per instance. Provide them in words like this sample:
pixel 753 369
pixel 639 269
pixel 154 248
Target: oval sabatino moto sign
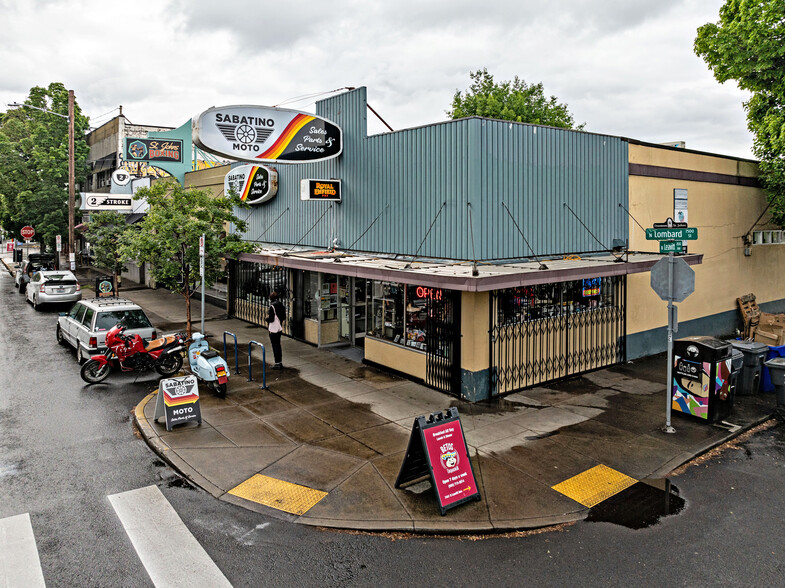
pixel 265 134
pixel 254 184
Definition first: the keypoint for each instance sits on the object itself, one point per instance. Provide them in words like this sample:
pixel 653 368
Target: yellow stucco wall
pixel 397 357
pixel 722 213
pixel 474 331
pixel 211 179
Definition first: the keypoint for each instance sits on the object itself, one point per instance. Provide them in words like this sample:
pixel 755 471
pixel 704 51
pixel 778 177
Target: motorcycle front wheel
pixel 93 371
pixel 170 364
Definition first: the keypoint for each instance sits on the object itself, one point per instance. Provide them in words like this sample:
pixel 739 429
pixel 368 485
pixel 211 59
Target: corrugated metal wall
pixel 410 175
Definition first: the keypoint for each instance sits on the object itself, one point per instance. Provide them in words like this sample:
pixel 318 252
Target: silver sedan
pixel 52 287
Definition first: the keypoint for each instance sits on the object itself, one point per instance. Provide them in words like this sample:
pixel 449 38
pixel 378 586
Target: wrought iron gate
pixel 549 331
pixel 443 343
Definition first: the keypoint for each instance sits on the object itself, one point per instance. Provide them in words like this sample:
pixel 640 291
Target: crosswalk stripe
pixel 19 563
pixel 169 552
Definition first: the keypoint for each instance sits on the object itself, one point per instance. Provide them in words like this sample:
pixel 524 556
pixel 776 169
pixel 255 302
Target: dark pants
pixel 275 341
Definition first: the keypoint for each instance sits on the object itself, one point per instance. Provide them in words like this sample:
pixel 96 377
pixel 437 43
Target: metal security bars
pixel 249 291
pixel 550 331
pixel 443 342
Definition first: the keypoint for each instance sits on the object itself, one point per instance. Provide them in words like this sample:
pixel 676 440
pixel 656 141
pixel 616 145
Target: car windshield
pixel 134 319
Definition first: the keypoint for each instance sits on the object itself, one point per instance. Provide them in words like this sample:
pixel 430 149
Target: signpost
pixel 437 448
pixel 201 273
pixel 178 400
pixel 673 280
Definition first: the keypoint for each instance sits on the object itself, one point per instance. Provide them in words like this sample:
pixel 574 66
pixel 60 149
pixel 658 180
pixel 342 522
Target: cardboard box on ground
pixel 762 327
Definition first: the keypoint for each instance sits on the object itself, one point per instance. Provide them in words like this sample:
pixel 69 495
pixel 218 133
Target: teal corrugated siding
pixel 410 175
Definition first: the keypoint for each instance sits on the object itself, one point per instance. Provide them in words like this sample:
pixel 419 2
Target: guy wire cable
pixel 520 232
pixel 585 227
pixel 416 253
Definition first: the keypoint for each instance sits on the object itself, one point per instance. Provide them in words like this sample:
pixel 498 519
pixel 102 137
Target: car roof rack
pixel 111 301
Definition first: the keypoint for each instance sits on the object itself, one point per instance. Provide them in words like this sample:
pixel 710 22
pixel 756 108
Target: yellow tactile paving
pixel 278 494
pixel 594 485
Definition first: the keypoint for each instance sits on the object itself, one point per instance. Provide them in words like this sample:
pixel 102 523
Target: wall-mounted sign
pixel 178 400
pixel 170 150
pixel 432 293
pixel 102 201
pixel 437 448
pixel 320 190
pixel 261 133
pixel 253 183
pixel 121 177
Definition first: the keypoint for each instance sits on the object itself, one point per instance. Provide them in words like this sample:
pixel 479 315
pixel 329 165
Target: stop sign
pixel 27 232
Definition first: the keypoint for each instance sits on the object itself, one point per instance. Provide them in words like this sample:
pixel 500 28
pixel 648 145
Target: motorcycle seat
pixel 209 353
pixel 160 342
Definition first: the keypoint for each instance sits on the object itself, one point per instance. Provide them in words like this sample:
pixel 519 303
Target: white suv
pixel 85 325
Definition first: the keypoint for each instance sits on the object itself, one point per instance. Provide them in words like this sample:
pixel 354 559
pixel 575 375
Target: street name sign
pixel 671 247
pixel 672 234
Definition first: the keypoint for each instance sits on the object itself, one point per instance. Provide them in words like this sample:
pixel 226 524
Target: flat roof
pixel 459 274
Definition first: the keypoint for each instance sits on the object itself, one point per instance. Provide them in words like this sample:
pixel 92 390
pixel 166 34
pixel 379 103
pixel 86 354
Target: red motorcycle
pixel 131 353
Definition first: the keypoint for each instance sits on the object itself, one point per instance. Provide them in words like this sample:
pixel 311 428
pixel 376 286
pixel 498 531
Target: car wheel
pixel 59 334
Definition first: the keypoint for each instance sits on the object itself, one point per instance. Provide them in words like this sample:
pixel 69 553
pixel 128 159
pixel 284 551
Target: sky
pixel 624 68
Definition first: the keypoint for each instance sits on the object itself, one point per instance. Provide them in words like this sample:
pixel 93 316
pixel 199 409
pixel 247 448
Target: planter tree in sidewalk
pixel 168 238
pixel 108 234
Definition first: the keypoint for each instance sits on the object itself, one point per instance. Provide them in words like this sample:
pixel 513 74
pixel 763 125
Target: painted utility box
pixel 701 386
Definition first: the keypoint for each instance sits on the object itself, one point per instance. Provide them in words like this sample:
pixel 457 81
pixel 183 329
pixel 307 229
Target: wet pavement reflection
pixel 641 505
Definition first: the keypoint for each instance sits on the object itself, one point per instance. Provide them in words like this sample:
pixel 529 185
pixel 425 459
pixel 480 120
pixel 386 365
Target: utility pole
pixel 71 249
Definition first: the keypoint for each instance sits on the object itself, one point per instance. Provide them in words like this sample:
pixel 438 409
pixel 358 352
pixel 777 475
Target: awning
pixel 460 274
pixel 105 162
pixel 134 218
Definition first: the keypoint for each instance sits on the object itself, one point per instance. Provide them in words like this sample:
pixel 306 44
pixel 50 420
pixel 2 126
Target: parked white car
pixel 52 287
pixel 85 325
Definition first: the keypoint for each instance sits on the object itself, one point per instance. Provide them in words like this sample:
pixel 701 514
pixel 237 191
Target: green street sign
pixel 670 246
pixel 672 234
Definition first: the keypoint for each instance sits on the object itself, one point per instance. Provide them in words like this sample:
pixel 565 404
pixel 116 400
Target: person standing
pixel 276 315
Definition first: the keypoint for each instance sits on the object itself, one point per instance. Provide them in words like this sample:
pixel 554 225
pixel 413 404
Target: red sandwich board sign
pixel 27 232
pixel 437 448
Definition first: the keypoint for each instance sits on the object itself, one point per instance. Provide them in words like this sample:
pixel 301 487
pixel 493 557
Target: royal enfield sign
pixel 254 184
pixel 178 400
pixel 437 448
pixel 103 201
pixel 260 133
pixel 320 190
pixel 152 150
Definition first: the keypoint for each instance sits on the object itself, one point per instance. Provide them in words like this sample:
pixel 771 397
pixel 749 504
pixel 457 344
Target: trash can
pixel 701 386
pixel 754 356
pixel 776 367
pixel 737 364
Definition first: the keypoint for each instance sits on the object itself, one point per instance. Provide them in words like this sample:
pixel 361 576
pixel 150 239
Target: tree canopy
pixel 170 232
pixel 747 45
pixel 510 100
pixel 108 233
pixel 34 163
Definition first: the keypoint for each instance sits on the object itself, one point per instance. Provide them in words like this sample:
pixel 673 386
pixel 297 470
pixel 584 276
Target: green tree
pixel 746 45
pixel 107 233
pixel 516 101
pixel 169 237
pixel 34 163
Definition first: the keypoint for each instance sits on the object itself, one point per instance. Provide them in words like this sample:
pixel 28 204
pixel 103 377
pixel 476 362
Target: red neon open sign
pixel 432 293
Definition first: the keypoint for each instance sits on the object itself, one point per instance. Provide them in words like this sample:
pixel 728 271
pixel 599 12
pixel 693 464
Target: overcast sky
pixel 624 68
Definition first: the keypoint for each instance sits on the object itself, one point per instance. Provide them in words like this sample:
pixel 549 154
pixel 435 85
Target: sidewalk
pixel 339 430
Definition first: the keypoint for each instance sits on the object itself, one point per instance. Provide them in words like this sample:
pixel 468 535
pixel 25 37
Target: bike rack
pixel 236 357
pixel 264 365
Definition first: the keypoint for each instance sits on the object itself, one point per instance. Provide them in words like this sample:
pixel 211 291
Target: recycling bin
pixel 754 356
pixel 776 367
pixel 701 386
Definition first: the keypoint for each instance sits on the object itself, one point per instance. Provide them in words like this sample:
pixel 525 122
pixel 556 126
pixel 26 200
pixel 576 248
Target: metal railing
pixel 236 356
pixel 264 364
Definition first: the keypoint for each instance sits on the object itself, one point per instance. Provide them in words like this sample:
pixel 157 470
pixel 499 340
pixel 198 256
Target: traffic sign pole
pixel 671 315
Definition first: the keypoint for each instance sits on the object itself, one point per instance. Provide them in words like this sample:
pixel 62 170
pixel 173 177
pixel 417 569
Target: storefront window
pixel 387 311
pixel 329 297
pixel 312 300
pixel 519 305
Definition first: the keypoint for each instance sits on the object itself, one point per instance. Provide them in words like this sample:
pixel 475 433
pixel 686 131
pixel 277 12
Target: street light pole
pixel 71 249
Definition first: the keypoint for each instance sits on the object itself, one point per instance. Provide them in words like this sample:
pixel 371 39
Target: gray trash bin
pixel 776 367
pixel 754 356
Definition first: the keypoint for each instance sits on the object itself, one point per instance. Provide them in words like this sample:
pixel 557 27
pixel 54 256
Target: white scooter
pixel 207 365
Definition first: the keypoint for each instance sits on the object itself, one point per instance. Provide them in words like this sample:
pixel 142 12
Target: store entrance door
pixel 353 306
pixel 298 301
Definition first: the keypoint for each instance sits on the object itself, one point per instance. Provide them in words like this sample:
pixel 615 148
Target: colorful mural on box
pixel 692 395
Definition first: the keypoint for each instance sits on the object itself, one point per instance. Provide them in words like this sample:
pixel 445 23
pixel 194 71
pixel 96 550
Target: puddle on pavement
pixel 180 483
pixel 641 505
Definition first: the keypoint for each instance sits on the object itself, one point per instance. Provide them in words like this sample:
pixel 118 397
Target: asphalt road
pixel 65 447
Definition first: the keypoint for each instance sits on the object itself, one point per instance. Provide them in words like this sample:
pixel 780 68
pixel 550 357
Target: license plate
pixel 222 379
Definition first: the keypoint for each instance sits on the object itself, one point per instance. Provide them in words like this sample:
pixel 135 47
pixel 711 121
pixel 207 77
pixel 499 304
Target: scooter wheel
pixel 219 389
pixel 93 372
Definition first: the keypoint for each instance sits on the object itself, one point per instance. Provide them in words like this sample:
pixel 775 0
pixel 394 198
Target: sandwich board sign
pixel 437 449
pixel 178 400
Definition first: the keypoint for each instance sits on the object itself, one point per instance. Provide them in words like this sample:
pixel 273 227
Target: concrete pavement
pixel 336 427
